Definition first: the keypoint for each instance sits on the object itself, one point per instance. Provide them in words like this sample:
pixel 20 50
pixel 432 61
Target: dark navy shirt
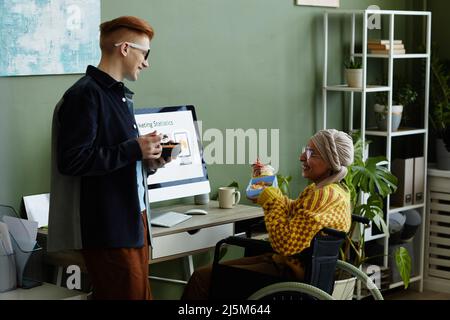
pixel 97 141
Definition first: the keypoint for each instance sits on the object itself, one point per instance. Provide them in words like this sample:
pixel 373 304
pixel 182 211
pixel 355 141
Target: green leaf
pixel 234 184
pixel 283 184
pixel 403 262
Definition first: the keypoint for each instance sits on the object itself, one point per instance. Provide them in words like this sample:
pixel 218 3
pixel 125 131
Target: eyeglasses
pixel 309 152
pixel 136 46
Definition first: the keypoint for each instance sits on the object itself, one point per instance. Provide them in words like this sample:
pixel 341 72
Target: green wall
pixel 242 63
pixel 440 10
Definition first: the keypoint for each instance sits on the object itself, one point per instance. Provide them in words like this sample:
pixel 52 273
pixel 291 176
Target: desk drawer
pixel 178 243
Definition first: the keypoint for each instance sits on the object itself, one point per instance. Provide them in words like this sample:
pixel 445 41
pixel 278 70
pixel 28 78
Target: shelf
pixel 393 286
pixel 400 283
pixel 376 11
pixel 358 107
pixel 395 56
pixel 414 206
pixel 346 88
pixel 375 237
pixel 400 132
pixel 432 171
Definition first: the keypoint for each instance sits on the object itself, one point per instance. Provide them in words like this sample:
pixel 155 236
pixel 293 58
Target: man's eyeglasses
pixel 309 152
pixel 136 46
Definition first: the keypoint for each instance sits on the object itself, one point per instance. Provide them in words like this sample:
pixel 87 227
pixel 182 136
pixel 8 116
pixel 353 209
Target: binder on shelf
pixel 403 169
pixel 419 179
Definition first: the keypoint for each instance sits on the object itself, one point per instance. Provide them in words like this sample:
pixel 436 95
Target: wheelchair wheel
pixel 360 276
pixel 289 290
pixel 286 290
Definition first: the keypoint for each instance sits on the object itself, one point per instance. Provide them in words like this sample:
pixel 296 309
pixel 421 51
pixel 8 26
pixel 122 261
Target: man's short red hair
pixel 120 25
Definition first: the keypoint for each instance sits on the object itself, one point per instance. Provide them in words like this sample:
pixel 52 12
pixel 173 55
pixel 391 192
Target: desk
pixel 46 291
pixel 195 235
pixel 199 233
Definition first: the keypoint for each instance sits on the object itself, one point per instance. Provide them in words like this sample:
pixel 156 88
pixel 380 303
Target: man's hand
pixel 153 164
pixel 150 145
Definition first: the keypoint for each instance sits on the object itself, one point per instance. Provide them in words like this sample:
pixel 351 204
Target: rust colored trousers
pixel 120 273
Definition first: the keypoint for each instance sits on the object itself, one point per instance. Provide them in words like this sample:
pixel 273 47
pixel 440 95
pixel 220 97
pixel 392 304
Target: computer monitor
pixel 186 175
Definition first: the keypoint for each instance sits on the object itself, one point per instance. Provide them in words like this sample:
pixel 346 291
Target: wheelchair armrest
pixel 242 242
pixel 360 219
pixel 334 233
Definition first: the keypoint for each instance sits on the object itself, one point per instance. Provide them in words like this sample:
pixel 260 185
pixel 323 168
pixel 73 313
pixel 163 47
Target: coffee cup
pixel 228 197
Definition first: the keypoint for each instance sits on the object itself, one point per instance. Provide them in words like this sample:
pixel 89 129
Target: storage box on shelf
pixel 416 244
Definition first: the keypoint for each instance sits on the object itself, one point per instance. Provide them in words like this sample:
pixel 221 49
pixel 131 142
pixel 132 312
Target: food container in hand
pixel 257 185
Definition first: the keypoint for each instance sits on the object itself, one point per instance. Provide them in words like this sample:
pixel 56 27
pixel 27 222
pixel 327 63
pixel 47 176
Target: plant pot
pixel 343 289
pixel 354 77
pixel 381 116
pixel 442 155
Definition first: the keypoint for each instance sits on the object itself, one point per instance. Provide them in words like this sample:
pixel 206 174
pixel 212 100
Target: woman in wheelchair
pixel 292 224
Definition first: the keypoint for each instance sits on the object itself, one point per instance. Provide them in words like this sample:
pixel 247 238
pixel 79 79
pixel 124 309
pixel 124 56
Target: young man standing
pixel 98 199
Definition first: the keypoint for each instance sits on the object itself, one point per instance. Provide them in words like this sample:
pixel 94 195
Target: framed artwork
pixel 43 37
pixel 320 3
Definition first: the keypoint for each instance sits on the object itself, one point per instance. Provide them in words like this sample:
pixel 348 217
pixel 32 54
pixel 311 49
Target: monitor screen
pixel 186 175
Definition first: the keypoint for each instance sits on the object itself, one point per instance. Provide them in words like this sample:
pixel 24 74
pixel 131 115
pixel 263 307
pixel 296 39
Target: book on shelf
pixel 384 46
pixel 377 41
pixel 396 51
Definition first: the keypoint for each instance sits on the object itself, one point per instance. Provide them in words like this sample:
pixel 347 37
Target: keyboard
pixel 168 219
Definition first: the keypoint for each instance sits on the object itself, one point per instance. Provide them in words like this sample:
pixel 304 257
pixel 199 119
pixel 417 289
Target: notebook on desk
pixel 168 219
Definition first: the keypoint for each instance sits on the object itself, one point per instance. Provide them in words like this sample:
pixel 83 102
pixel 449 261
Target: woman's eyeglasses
pixel 309 152
pixel 135 46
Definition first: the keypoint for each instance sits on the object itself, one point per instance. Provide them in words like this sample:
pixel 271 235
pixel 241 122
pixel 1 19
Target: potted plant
pixel 353 73
pixel 372 181
pixel 283 184
pixel 440 110
pixel 405 96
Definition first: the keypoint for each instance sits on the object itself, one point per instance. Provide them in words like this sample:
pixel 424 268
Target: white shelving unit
pixel 388 135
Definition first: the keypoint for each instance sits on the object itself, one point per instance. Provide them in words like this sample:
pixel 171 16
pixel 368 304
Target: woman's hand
pixel 254 199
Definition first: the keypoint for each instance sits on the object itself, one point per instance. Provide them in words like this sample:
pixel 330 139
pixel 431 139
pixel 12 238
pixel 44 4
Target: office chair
pixel 320 261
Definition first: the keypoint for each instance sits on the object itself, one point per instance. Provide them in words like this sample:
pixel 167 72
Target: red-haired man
pixel 98 201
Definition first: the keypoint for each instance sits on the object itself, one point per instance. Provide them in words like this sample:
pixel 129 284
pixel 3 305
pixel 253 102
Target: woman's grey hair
pixel 336 148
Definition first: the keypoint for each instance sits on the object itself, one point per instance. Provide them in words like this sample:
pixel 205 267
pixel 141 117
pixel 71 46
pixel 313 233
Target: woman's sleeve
pixel 271 193
pixel 292 235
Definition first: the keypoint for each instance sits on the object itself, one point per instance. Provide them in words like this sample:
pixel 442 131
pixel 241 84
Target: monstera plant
pixel 370 182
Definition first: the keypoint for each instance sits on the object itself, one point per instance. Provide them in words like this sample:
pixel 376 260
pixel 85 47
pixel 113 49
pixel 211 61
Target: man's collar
pixel 105 79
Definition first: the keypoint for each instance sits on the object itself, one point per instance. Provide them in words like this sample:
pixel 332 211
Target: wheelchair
pixel 320 261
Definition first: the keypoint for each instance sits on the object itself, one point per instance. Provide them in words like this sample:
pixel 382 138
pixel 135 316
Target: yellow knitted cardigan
pixel 292 224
